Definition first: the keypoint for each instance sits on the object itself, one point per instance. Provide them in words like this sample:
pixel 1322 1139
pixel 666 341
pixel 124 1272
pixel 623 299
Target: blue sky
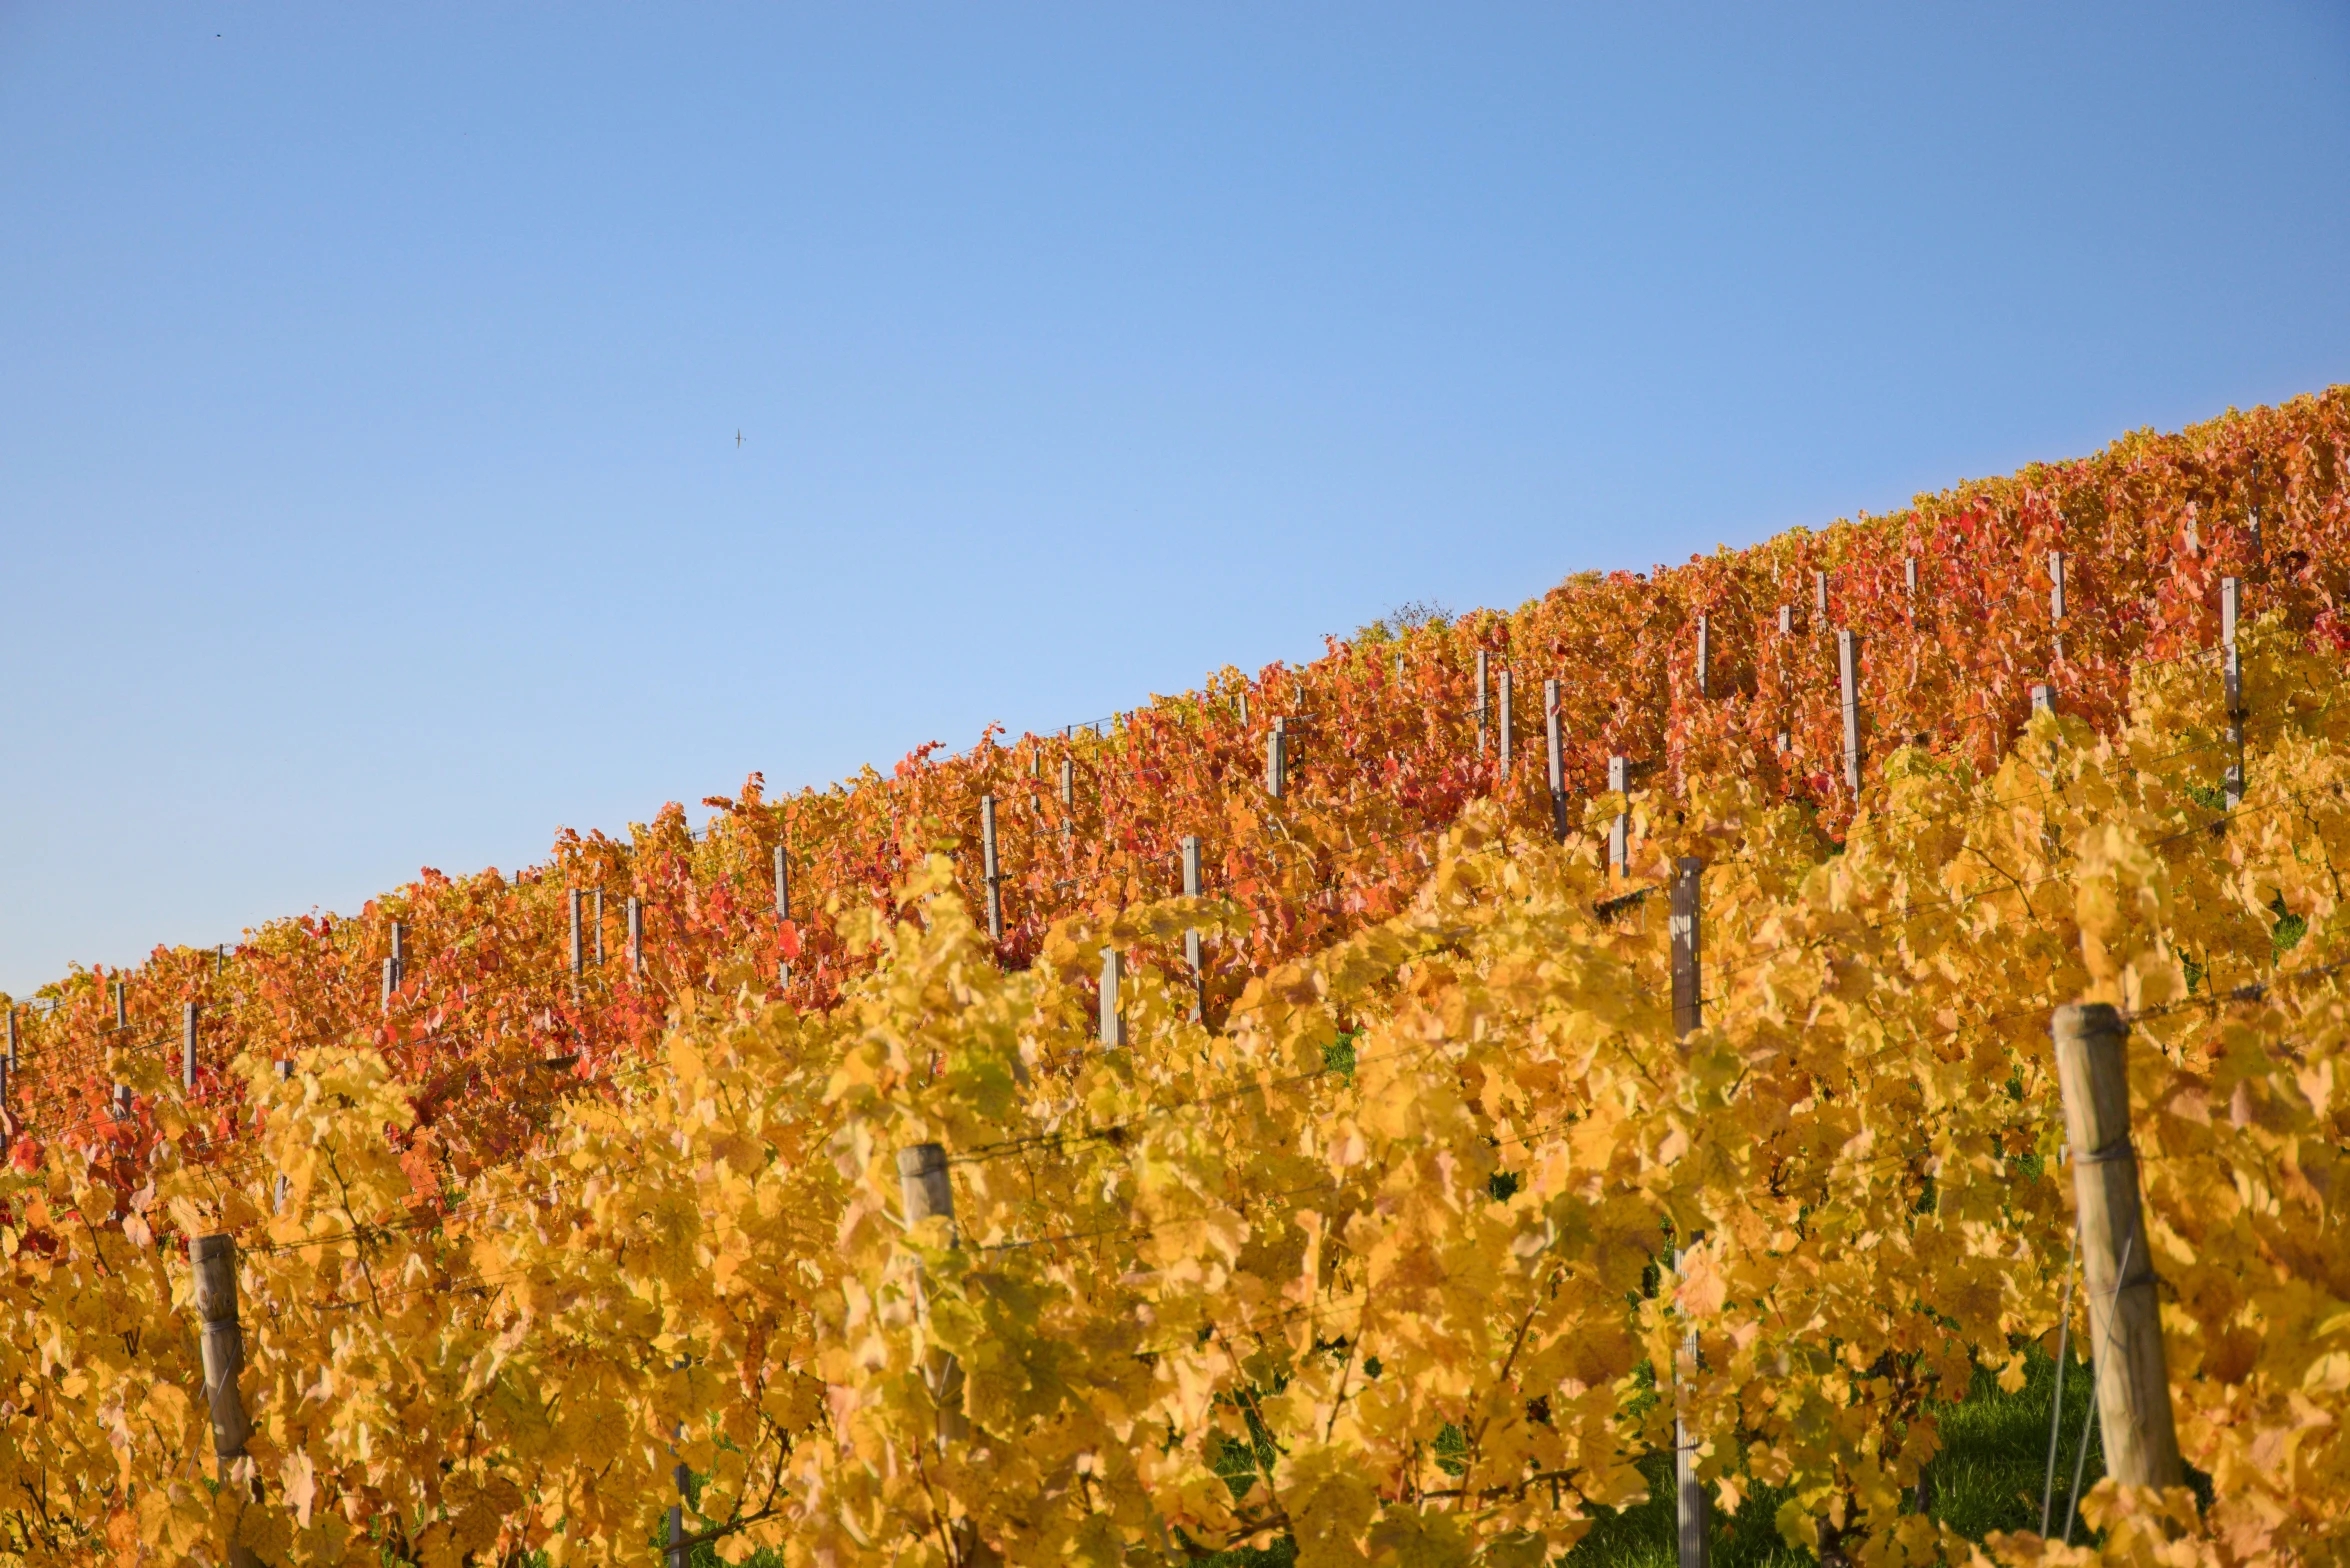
pixel 370 376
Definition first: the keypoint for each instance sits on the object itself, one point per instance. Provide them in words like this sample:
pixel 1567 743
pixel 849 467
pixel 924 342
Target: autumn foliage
pixel 1384 1232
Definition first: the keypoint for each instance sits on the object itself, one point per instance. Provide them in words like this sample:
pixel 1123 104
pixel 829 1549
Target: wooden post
pixel 2056 605
pixel 223 1345
pixel 222 1350
pixel 1244 707
pixel 1688 1002
pixel 1113 1024
pixel 2133 1386
pixel 1689 1502
pixel 1786 620
pixel 220 959
pixel 1068 782
pixel 1909 577
pixel 927 1194
pixel 2231 591
pixel 1704 687
pixel 1558 761
pixel 782 883
pixel 391 984
pixel 285 1074
pixel 987 862
pixel 12 1037
pixel 122 1021
pixel 2043 699
pixel 188 1047
pixel 1277 758
pixel 399 952
pixel 1819 592
pixel 636 935
pixel 1191 943
pixel 1848 672
pixel 1481 667
pixel 1503 724
pixel 1619 836
pixel 597 904
pixel 578 935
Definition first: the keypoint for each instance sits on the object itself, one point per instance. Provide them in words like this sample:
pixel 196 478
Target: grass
pixel 1988 1476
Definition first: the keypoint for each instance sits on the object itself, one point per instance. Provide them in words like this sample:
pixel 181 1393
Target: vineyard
pixel 1374 1106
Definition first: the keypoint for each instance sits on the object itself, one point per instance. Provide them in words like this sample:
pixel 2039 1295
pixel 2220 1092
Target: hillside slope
pixel 1405 1224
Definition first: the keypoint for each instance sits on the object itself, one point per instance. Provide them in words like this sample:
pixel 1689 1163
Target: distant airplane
pixel 738 440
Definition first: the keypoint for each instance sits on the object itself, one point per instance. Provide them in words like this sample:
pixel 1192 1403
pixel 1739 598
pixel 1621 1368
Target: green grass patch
pixel 1987 1477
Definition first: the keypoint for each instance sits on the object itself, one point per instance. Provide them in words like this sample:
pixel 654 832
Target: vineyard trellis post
pixel 390 984
pixel 677 1553
pixel 1191 943
pixel 636 935
pixel 188 1046
pixel 1502 723
pixel 992 878
pixel 782 883
pixel 399 954
pixel 1069 784
pixel 926 1193
pixel 1819 598
pixel 2232 678
pixel 2056 604
pixel 578 936
pixel 1277 758
pixel 1557 758
pixel 1689 1504
pixel 122 1021
pixel 222 1349
pixel 2043 698
pixel 596 906
pixel 1704 656
pixel 2133 1383
pixel 1113 1022
pixel 1482 658
pixel 1619 833
pixel 1786 620
pixel 1848 676
pixel 285 1074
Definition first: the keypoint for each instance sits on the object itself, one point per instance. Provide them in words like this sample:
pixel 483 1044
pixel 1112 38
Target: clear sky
pixel 370 376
